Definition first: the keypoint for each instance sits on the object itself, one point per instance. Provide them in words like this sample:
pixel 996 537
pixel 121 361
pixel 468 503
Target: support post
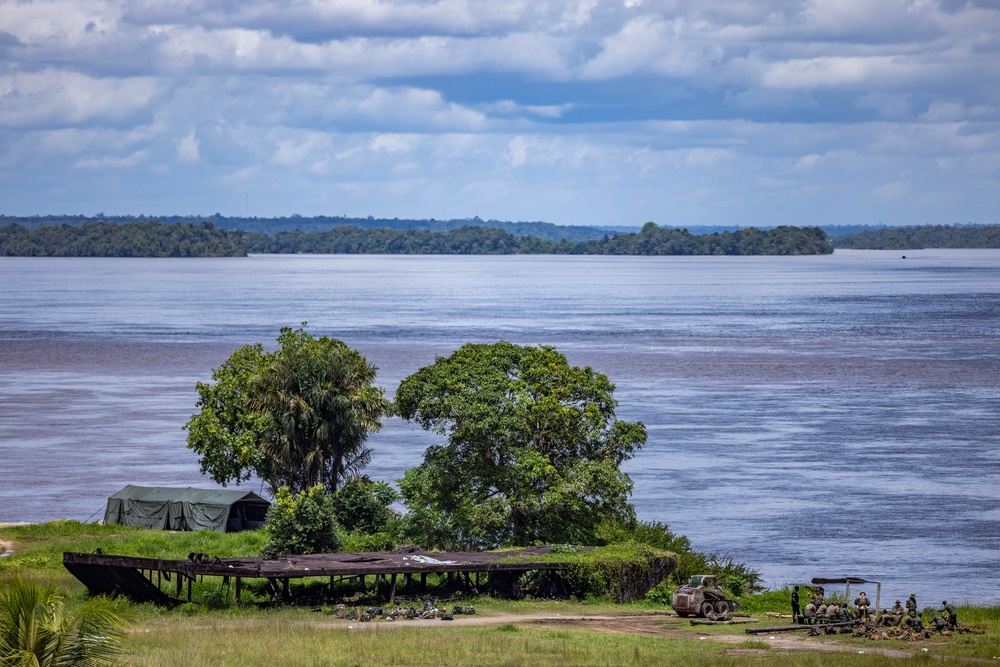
pixel 239 589
pixel 878 596
pixel 189 588
pixel 392 589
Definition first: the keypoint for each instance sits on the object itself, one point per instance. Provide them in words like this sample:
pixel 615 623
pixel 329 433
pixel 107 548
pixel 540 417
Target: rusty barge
pixel 145 579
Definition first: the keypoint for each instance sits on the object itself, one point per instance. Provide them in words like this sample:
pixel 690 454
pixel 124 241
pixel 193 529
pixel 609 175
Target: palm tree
pixel 322 403
pixel 37 630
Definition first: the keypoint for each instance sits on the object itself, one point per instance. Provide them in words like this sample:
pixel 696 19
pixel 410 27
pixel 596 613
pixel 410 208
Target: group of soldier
pixel 910 618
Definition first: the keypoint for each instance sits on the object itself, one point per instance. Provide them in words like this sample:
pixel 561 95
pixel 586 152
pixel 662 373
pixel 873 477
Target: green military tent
pixel 164 508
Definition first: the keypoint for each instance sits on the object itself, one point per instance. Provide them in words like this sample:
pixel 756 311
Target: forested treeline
pixel 156 239
pixel 133 239
pixel 652 240
pixel 928 236
pixel 322 223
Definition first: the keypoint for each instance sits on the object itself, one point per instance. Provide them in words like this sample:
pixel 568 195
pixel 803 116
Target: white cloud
pixel 112 162
pixel 57 97
pixel 187 148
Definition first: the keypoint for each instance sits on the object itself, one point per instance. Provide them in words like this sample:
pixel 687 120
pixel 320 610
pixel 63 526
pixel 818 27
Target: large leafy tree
pixel 533 450
pixel 297 417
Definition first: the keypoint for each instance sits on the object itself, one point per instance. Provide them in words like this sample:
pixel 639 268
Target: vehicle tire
pixel 722 607
pixel 706 609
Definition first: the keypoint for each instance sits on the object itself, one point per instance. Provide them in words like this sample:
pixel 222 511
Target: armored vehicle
pixel 702 596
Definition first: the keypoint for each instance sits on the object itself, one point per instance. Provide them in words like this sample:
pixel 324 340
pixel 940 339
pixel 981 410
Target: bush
pixel 362 506
pixel 738 578
pixel 302 524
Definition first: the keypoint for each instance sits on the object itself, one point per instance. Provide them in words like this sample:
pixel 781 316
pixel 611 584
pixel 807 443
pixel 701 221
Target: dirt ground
pixel 654 624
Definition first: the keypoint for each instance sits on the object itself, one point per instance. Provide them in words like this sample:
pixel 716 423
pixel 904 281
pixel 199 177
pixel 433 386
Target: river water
pixel 813 416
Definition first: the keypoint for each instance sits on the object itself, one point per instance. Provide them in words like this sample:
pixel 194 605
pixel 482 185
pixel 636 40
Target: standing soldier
pixel 795 604
pixel 952 614
pixel 862 603
pixel 911 603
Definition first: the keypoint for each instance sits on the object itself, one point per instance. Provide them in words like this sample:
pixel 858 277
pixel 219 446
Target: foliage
pixel 226 433
pixel 365 542
pixel 926 236
pixel 302 524
pixel 133 239
pixel 533 449
pixel 620 572
pixel 37 629
pixel 480 240
pixel 296 417
pixel 737 577
pixel 363 505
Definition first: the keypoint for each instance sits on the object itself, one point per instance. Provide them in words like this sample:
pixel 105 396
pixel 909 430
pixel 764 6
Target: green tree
pixel 37 629
pixel 296 417
pixel 303 523
pixel 363 505
pixel 533 449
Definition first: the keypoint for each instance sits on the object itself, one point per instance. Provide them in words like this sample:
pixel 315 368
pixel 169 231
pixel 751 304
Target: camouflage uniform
pixel 911 603
pixel 862 603
pixel 952 614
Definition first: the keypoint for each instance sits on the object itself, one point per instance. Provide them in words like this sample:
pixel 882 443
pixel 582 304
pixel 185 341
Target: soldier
pixel 911 603
pixel 952 614
pixel 913 622
pixel 817 597
pixel 809 611
pixel 795 604
pixel 862 603
pixel 833 610
pixel 895 614
pixel 821 610
pixel 939 623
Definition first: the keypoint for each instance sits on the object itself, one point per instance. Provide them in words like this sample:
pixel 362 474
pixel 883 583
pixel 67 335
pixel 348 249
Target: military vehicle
pixel 702 596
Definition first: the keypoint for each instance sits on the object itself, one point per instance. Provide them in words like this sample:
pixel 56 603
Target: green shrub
pixel 302 524
pixel 362 506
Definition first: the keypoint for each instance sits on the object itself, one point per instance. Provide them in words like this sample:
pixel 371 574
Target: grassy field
pixel 507 633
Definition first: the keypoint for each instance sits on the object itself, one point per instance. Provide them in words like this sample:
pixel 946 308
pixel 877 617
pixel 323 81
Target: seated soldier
pixel 821 611
pixel 912 621
pixel 809 611
pixel 832 610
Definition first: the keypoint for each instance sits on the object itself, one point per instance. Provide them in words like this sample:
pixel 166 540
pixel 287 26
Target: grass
pixel 220 635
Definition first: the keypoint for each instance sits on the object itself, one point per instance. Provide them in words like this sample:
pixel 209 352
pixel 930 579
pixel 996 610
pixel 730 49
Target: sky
pixel 589 112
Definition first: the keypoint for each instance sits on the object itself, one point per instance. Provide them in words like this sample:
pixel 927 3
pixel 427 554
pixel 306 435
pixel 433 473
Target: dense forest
pixel 133 239
pixel 322 223
pixel 204 239
pixel 157 239
pixel 928 236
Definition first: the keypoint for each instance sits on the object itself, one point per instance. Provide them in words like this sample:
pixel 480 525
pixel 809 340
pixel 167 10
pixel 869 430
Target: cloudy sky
pixel 684 112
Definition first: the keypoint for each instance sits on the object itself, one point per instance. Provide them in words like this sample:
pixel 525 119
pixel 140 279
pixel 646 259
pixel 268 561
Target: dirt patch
pixel 652 624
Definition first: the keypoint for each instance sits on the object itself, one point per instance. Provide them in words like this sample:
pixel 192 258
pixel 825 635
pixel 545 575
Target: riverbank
pixel 217 632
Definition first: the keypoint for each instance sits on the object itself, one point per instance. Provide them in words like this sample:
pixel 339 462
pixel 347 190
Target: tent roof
pixel 188 494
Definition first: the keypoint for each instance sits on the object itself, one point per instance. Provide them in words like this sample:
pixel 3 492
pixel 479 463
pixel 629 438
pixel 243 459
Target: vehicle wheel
pixel 722 607
pixel 706 609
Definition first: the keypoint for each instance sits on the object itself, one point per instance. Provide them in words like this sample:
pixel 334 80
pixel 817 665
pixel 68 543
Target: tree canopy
pixel 299 416
pixel 533 449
